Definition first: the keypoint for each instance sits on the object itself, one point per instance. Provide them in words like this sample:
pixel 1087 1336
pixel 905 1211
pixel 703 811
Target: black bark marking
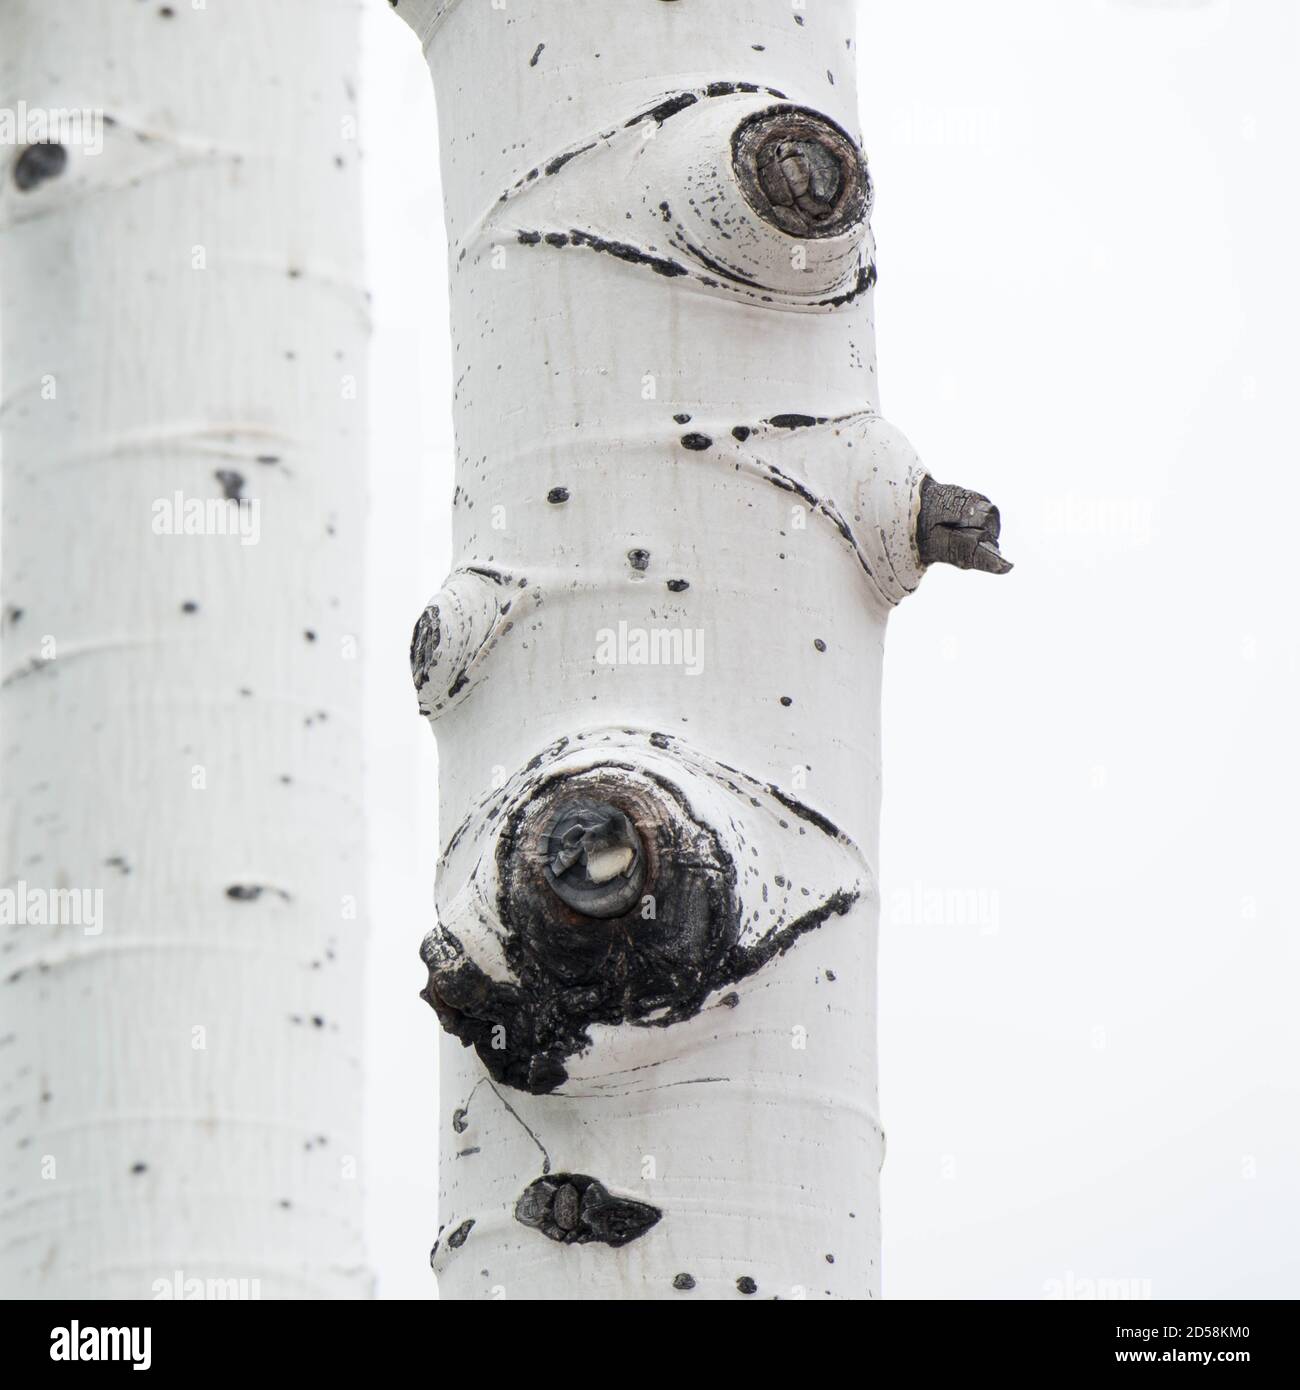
pixel 698 442
pixel 746 1285
pixel 678 586
pixel 866 278
pixel 622 250
pixel 251 892
pixel 37 163
pixel 684 1282
pixel 232 483
pixel 661 265
pixel 665 110
pixel 561 160
pixel 558 495
pixel 460 1235
pixel 639 559
pixel 537 53
pixel 576 1209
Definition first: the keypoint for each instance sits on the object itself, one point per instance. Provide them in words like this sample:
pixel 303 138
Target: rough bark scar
pixel 801 172
pixel 459 628
pixel 576 1209
pixel 959 527
pixel 677 941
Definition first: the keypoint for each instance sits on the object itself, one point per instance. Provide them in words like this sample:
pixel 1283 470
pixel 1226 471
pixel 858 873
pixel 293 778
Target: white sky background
pixel 1088 226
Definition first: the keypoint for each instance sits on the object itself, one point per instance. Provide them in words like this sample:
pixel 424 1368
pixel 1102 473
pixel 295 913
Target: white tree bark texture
pixel 184 340
pixel 680 525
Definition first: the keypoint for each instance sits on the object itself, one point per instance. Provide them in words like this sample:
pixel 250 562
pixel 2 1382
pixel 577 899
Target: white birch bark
pixel 680 525
pixel 183 313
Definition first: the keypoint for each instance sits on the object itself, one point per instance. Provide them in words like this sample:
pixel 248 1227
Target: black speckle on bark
pixel 37 163
pixel 575 1209
pixel 683 1282
pixel 698 442
pixel 244 892
pixel 537 53
pixel 819 644
pixel 232 484
pixel 558 495
pixel 746 1285
pixel 639 559
pixel 741 432
pixel 679 586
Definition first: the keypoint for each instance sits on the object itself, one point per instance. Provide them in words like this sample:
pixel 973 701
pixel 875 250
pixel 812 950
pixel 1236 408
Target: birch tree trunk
pixel 680 525
pixel 184 334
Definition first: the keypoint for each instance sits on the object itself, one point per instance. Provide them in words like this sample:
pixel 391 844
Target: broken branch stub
pixel 595 863
pixel 959 527
pixel 801 172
